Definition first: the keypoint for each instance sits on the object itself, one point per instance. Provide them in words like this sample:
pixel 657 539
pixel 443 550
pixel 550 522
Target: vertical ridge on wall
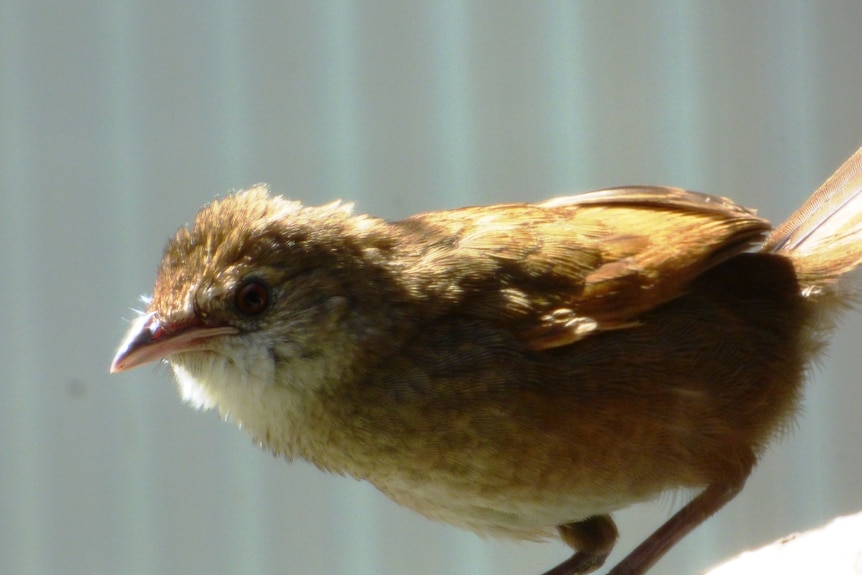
pixel 23 477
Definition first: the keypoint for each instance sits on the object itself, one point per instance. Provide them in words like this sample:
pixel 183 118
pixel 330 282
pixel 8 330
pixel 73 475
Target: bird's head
pixel 254 299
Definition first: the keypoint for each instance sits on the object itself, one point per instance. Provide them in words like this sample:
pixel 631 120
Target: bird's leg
pixel 698 510
pixel 592 539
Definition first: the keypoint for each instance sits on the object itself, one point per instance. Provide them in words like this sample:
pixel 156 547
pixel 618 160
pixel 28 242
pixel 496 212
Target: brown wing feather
pixel 573 266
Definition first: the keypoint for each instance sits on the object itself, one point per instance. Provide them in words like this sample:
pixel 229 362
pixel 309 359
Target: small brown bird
pixel 512 369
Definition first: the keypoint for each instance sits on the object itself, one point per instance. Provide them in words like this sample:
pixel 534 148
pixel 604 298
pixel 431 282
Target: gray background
pixel 119 119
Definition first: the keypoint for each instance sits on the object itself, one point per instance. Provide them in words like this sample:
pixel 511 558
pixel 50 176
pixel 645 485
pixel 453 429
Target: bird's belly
pixel 514 512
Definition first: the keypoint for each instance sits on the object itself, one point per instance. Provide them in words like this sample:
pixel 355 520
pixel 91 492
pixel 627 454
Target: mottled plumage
pixel 511 369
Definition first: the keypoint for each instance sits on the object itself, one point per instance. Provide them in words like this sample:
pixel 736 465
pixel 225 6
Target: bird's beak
pixel 149 339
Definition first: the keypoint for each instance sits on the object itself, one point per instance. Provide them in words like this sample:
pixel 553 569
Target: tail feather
pixel 823 238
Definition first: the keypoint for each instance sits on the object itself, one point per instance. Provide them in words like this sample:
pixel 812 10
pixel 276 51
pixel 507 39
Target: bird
pixel 518 370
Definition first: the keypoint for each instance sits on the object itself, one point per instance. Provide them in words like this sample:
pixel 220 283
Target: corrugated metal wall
pixel 119 119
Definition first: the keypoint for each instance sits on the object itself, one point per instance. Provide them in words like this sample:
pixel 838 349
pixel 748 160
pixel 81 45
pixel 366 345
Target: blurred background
pixel 118 120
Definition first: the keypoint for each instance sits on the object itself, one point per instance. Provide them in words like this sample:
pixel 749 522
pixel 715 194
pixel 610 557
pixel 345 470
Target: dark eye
pixel 252 297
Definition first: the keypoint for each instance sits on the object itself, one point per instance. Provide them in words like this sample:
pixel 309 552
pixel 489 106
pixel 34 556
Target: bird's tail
pixel 823 238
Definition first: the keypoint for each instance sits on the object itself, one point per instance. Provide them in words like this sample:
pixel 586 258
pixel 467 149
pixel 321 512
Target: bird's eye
pixel 252 297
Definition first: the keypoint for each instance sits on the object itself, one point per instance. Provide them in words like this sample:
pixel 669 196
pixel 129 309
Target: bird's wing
pixel 568 267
